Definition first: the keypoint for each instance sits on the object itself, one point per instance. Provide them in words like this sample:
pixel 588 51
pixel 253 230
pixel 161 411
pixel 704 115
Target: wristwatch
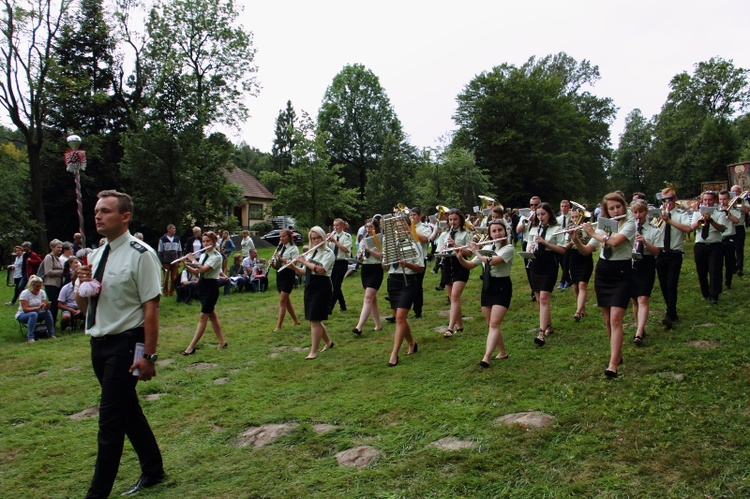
pixel 151 357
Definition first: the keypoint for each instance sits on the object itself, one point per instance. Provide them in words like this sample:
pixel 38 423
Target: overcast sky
pixel 425 52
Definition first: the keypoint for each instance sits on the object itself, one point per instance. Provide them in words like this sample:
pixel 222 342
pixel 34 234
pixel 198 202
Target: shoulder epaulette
pixel 138 246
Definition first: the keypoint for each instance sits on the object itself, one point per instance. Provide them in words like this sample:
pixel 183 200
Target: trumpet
pixel 304 255
pixel 191 254
pixel 736 200
pixel 658 221
pixel 448 251
pixel 576 228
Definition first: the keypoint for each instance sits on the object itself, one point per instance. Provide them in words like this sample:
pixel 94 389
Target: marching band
pixel 635 244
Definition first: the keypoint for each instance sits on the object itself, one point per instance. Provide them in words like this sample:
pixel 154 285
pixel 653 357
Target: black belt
pixel 710 244
pixel 137 332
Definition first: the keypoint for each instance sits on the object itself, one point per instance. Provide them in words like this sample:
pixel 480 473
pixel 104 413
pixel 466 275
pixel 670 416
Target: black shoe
pixel 714 301
pixel 145 482
pixel 610 374
pixel 417 316
pixel 667 322
pixel 390 318
pixel 393 364
pixel 484 364
pixel 343 309
pixel 740 273
pixel 356 331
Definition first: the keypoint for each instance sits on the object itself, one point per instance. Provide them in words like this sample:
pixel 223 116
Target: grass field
pixel 674 424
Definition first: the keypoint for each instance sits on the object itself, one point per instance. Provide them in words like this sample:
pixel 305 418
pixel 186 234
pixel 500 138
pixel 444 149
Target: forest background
pixel 149 86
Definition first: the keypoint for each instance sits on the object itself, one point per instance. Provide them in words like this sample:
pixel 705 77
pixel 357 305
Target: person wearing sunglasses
pixel 671 241
pixel 708 255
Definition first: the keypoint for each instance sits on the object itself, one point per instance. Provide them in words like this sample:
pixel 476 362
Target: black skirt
pixel 612 283
pixel 208 294
pixel 643 276
pixel 544 271
pixel 371 275
pixel 453 271
pixel 285 280
pixel 402 288
pixel 318 292
pixel 500 292
pixel 581 267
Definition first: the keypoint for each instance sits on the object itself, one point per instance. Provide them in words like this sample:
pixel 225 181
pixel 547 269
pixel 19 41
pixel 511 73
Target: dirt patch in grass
pixel 323 428
pixel 91 412
pixel 452 443
pixel 527 420
pixel 165 362
pixel 200 366
pixel 358 456
pixel 258 436
pixel 221 381
pixel 704 344
pixel 152 396
pixel 72 368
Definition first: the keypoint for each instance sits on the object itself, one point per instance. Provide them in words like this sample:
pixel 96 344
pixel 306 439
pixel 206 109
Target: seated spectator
pixel 66 301
pixel 258 279
pixel 187 287
pixel 237 273
pixel 250 262
pixel 33 307
pixel 224 282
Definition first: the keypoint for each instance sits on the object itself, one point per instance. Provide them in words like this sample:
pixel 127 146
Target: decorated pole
pixel 75 161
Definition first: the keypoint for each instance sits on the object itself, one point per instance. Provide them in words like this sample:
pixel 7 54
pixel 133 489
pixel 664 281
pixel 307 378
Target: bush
pixel 261 227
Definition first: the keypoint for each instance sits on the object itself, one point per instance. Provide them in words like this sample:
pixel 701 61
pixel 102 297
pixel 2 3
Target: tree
pixel 393 180
pixel 202 62
pixel 356 116
pixel 186 169
pixel 694 139
pixel 535 130
pixel 29 30
pixel 283 142
pixel 16 220
pixel 452 180
pixel 311 190
pixel 628 173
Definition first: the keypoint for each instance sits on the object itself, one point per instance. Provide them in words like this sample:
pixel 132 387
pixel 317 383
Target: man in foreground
pixel 125 312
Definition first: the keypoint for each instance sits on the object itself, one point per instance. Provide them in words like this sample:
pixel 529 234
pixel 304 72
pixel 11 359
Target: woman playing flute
pixel 285 278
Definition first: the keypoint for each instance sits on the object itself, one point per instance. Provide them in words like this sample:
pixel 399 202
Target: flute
pixel 448 251
pixel 193 254
pixel 304 255
pixel 579 227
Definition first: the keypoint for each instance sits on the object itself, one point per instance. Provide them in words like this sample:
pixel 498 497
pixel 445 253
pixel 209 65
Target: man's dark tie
pixel 336 248
pixel 667 234
pixel 98 274
pixel 705 229
pixel 639 245
pixel 486 273
pixel 607 252
pixel 308 273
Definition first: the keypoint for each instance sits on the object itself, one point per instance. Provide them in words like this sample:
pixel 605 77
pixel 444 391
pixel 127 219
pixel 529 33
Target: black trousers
pixel 53 292
pixel 419 293
pixel 708 263
pixel 668 267
pixel 564 261
pixel 739 245
pixel 730 258
pixel 337 279
pixel 120 413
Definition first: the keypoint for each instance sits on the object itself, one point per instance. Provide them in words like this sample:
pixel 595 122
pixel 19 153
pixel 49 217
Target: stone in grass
pixel 527 420
pixel 676 376
pixel 452 443
pixel 164 362
pixel 91 412
pixel 358 456
pixel 200 366
pixel 258 436
pixel 704 344
pixel 152 396
pixel 72 368
pixel 221 381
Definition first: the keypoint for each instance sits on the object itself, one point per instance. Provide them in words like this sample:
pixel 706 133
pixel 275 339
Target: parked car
pixel 274 236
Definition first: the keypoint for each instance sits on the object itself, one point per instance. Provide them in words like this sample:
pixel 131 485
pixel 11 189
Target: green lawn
pixel 673 424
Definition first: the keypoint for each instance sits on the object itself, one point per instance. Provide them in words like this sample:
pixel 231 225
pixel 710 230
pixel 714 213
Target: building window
pixel 254 211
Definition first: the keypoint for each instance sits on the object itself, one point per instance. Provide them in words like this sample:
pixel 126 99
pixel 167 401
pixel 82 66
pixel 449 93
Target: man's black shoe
pixel 667 322
pixel 390 318
pixel 145 482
